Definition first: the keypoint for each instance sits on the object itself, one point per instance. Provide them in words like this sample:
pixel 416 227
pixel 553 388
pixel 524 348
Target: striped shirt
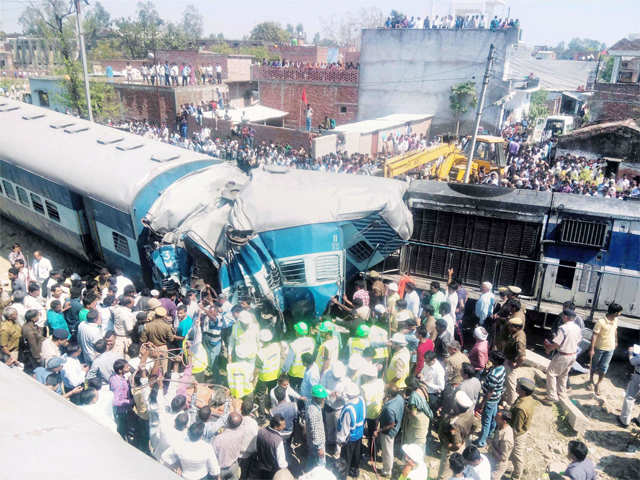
pixel 494 382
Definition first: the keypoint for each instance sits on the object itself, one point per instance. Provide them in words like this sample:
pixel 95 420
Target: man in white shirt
pixel 124 320
pixel 121 282
pixel 413 299
pixel 34 301
pixel 433 376
pixel 478 466
pixel 89 332
pixel 73 372
pixel 40 270
pixel 195 457
pixel 452 297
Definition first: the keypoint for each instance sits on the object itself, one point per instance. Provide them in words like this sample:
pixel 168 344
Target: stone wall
pixel 413 70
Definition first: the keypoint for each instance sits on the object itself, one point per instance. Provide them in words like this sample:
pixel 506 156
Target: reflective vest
pixel 200 358
pixel 299 347
pixel 399 367
pixel 373 392
pixel 333 347
pixel 356 411
pixel 379 335
pixel 357 345
pixel 270 358
pixel 240 376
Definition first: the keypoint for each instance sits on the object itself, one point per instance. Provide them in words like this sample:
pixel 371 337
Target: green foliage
pixel 606 68
pixel 105 102
pixel 578 46
pixel 462 98
pixel 270 32
pixel 257 52
pixel 106 48
pixel 96 25
pixel 192 25
pixel 538 106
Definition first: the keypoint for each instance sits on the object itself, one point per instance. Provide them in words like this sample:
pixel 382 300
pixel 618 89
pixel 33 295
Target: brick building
pixel 331 93
pixel 619 97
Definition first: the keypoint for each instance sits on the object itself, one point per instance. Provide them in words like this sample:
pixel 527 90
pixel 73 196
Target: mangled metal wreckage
pixel 290 237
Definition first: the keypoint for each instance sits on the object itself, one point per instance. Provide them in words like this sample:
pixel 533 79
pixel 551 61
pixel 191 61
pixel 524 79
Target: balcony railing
pixel 304 74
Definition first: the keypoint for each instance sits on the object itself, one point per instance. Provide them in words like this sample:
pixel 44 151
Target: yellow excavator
pixel 447 162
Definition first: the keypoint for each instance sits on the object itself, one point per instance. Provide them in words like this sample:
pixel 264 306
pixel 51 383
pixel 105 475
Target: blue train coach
pixel 83 186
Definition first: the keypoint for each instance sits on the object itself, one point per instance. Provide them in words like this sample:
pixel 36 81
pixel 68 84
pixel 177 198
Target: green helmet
pixel 325 327
pixel 301 328
pixel 318 391
pixel 362 331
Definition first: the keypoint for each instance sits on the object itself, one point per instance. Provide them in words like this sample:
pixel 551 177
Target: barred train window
pixel 23 197
pixel 121 244
pixel 8 188
pixel 52 211
pixel 37 203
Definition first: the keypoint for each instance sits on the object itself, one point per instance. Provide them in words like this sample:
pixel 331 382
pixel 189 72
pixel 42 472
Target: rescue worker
pixel 398 369
pixel 357 344
pixel 521 417
pixel 240 372
pixel 373 393
pixel 315 434
pixel 245 331
pixel 351 429
pixel 515 351
pixel 195 352
pixel 380 337
pixel 293 363
pixel 267 370
pixel 454 430
pixel 329 348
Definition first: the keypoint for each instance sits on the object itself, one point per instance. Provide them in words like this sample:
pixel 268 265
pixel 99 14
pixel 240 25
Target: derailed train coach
pixel 556 247
pixel 290 237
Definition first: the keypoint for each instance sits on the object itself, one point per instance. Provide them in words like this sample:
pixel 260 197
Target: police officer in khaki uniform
pixel 454 431
pixel 515 351
pixel 521 417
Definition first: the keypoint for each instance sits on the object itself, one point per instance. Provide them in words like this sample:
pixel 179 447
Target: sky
pixel 544 22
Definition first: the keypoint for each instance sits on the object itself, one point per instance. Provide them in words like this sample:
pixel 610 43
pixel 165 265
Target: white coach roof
pixel 102 162
pixel 46 436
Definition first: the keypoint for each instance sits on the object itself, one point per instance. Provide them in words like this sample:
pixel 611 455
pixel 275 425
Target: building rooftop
pixel 382 123
pixel 625 45
pixel 554 75
pixel 600 128
pixel 254 113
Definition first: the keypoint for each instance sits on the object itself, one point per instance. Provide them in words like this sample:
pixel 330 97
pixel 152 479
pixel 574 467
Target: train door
pixel 585 284
pixel 559 280
pixel 90 239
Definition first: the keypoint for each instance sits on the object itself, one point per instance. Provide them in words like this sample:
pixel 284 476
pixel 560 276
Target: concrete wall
pixel 145 102
pixel 53 89
pixel 324 145
pixel 412 71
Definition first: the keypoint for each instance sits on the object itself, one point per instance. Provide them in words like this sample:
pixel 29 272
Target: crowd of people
pixel 451 22
pixel 172 74
pixel 213 389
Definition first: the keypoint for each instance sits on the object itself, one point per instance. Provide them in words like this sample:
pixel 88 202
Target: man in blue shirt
pixel 390 422
pixel 484 305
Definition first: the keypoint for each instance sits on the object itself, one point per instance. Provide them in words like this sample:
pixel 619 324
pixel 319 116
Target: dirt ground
pixel 613 450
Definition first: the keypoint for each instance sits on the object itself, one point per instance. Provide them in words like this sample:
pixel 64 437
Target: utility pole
pixel 83 56
pixel 485 83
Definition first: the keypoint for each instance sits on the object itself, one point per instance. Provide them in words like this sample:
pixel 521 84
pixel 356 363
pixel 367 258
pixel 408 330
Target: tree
pixel 578 46
pixel 606 68
pixel 538 105
pixel 192 22
pixel 344 30
pixel 462 98
pixel 105 102
pixel 270 32
pixel 96 25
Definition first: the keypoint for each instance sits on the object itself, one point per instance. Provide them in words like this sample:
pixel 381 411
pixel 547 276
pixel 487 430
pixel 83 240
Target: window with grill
pixel 52 211
pixel 23 197
pixel 121 244
pixel 327 268
pixel 37 203
pixel 8 189
pixel 361 251
pixel 293 271
pixel 583 233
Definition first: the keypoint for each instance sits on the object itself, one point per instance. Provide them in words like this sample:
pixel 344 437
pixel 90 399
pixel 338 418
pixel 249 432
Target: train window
pixel 121 244
pixel 8 188
pixel 52 211
pixel 566 274
pixel 37 203
pixel 23 197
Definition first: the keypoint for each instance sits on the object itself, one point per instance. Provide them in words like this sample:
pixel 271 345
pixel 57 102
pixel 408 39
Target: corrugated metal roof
pixel 382 123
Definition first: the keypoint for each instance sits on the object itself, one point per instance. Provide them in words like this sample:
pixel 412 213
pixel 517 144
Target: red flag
pixel 304 96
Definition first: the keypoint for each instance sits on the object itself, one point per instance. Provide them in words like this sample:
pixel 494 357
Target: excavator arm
pixel 406 162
